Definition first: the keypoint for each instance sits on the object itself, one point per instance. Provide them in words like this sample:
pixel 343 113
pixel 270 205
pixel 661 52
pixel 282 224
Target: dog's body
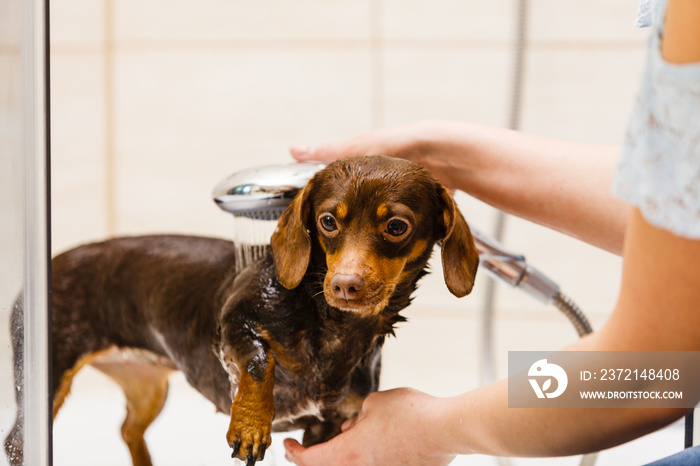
pixel 292 341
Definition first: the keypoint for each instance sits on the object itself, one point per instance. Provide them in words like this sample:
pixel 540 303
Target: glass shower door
pixel 24 237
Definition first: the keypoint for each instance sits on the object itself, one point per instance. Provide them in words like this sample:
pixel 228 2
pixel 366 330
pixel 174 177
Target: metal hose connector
pixel 573 313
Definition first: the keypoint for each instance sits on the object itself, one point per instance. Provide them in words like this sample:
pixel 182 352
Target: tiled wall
pixel 154 102
pixel 11 166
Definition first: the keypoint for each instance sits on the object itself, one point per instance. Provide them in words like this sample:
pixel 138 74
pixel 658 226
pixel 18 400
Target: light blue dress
pixel 659 166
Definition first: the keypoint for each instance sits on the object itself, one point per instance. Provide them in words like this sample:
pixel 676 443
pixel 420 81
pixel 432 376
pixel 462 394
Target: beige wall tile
pixel 78 150
pixel 581 95
pixel 77 24
pixel 469 85
pixel 186 120
pixel 437 355
pixel 180 21
pixel 10 26
pixel 589 276
pixel 11 188
pixel 448 20
pixel 589 21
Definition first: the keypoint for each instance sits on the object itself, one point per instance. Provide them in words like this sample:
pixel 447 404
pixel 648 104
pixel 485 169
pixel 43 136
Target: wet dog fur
pixel 292 341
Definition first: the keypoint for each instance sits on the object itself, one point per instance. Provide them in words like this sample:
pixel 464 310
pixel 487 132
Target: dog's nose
pixel 347 286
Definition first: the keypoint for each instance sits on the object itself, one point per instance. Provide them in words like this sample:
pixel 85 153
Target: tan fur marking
pixel 282 354
pixel 341 211
pixel 144 380
pixel 382 211
pixel 145 387
pixel 417 250
pixel 319 240
pixel 390 269
pixel 332 259
pixel 252 412
pixel 351 405
pixel 67 379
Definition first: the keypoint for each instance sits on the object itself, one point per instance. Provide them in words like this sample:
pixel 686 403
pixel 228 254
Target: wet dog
pixel 292 341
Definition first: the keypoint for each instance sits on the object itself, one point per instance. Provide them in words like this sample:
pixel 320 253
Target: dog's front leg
pixel 253 408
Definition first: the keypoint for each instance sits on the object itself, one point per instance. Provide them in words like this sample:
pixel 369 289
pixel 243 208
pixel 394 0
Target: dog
pixel 290 342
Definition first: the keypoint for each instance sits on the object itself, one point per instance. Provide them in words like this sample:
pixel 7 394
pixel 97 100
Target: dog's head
pixel 376 220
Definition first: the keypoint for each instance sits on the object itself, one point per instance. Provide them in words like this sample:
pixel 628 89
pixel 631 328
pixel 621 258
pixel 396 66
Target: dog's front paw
pixel 249 434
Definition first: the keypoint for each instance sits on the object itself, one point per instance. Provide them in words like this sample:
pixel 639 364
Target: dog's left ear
pixel 459 256
pixel 291 243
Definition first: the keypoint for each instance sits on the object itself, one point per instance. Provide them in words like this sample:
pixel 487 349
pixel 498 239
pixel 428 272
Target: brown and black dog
pixel 292 341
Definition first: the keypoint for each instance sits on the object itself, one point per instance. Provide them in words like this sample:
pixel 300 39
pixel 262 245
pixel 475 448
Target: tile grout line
pixel 11 51
pixel 322 44
pixel 376 66
pixel 110 156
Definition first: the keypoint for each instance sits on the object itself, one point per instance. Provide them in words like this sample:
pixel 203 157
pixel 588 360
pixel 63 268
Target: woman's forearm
pixel 481 422
pixel 656 311
pixel 657 306
pixel 562 185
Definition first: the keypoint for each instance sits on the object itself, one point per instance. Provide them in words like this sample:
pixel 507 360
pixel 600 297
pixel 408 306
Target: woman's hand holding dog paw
pixel 408 423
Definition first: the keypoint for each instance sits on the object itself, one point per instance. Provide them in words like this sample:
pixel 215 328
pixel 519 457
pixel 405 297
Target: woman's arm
pixel 656 311
pixel 681 40
pixel 562 185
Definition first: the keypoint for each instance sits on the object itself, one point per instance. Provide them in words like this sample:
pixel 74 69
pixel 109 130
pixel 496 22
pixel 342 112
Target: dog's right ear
pixel 460 258
pixel 291 243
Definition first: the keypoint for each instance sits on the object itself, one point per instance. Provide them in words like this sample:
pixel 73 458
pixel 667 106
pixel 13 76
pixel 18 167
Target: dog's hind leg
pixel 146 389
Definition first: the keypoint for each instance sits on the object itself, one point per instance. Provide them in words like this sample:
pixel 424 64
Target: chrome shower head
pixel 262 193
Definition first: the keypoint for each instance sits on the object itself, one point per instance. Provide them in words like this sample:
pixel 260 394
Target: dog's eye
pixel 396 227
pixel 328 223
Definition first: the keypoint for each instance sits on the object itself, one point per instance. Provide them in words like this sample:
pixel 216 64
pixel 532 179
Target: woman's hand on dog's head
pixel 421 143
